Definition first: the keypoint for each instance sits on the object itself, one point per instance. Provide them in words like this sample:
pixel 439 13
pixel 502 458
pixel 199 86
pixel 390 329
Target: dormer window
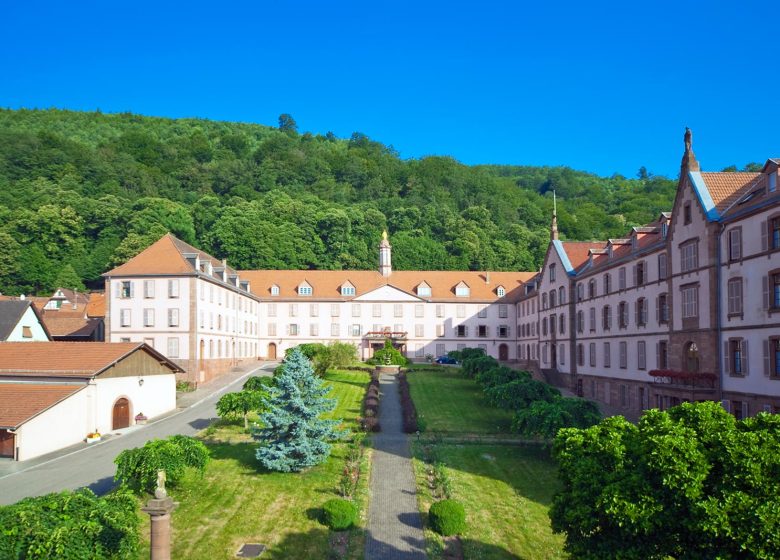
pixel 500 291
pixel 274 290
pixel 304 289
pixel 462 290
pixel 424 290
pixel 348 290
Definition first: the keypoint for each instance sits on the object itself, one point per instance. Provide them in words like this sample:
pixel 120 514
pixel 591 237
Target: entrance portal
pixel 121 415
pixel 271 350
pixel 503 352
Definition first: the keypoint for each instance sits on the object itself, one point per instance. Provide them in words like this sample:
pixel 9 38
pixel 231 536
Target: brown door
pixel 503 352
pixel 272 351
pixel 121 414
pixel 6 444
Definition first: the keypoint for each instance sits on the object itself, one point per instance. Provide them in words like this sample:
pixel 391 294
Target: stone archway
pixel 271 350
pixel 120 416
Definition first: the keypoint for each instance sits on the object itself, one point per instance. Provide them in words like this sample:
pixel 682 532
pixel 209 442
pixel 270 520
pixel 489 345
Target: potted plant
pixel 140 418
pixel 92 437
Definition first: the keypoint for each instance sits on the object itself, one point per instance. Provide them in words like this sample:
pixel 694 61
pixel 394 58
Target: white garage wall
pixel 156 396
pixel 60 426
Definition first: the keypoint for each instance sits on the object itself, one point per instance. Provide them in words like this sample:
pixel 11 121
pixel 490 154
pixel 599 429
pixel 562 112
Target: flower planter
pixel 141 419
pixel 93 439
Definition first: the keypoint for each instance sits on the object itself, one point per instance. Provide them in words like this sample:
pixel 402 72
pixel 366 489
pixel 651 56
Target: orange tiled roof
pixel 69 326
pixel 326 284
pixel 97 305
pixel 66 359
pixel 161 257
pixel 579 251
pixel 726 187
pixel 20 402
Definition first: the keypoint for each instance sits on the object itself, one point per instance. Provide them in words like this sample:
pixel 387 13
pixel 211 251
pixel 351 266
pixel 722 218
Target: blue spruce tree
pixel 294 436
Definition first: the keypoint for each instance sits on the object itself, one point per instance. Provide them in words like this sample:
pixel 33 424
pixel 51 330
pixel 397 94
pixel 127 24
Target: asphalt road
pixel 93 466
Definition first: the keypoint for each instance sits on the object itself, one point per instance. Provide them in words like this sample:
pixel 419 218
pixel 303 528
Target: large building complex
pixel 683 308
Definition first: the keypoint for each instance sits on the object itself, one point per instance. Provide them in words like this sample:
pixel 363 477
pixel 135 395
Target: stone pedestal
pixel 159 510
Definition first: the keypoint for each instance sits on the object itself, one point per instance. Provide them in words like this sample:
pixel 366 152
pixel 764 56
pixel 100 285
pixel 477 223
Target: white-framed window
pixel 592 354
pixel 334 329
pixel 424 290
pixel 662 266
pixel 623 355
pixel 689 256
pixel 335 310
pixel 607 357
pixel 148 317
pixel 462 290
pixel 304 290
pixel 173 288
pixel 592 318
pixel 314 310
pixel 292 329
pixel 482 312
pixel 126 289
pixel 419 350
pixel 622 278
pixel 552 272
pixel 173 317
pixel 641 354
pixel 419 330
pixel 314 329
pixel 735 244
pixel 356 310
pixel 503 311
pixel 461 331
pixel 124 318
pixel 419 310
pixel 398 310
pixel 355 330
pixel 274 290
pixel 439 310
pixel 690 301
pixel 173 347
pixel 148 289
pixel 376 310
pixel 348 290
pixel 272 310
pixel 503 331
pixel 441 350
pixel 271 329
pixel 440 329
pixel 500 291
pixel 735 296
pixel 293 310
pixel 460 311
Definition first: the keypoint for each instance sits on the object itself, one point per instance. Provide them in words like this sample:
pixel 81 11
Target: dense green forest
pixel 83 191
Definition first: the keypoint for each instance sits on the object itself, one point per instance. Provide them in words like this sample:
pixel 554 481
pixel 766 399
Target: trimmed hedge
pixel 408 410
pixel 338 514
pixel 371 405
pixel 447 517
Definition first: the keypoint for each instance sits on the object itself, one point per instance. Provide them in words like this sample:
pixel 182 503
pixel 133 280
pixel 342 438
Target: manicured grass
pixel 448 402
pixel 506 491
pixel 236 501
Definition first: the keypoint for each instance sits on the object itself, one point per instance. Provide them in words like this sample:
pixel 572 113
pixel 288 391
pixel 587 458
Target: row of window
pixel 125 289
pixel 249 326
pixel 149 317
pixel 606 356
pixel 293 310
pixel 423 290
pixel 461 331
pixel 735 356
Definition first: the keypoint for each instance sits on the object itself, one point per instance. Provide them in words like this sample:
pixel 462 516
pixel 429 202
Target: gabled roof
pixel 574 254
pixel 70 326
pixel 69 359
pixel 11 312
pixel 164 256
pixel 20 402
pixel 97 305
pixel 718 191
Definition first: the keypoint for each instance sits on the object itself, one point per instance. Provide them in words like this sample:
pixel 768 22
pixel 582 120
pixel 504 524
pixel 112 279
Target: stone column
pixel 159 509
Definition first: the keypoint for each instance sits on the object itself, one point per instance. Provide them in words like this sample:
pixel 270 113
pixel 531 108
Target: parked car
pixel 446 360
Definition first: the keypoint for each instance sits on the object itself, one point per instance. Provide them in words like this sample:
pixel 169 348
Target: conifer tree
pixel 295 436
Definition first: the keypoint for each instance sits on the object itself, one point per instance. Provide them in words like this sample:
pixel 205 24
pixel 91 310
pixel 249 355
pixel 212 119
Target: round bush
pixel 447 517
pixel 339 514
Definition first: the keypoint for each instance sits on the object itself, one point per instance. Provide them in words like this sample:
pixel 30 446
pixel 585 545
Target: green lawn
pixel 506 491
pixel 236 501
pixel 448 402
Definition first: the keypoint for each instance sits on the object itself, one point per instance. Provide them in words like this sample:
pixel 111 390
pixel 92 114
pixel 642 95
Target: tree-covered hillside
pixel 80 192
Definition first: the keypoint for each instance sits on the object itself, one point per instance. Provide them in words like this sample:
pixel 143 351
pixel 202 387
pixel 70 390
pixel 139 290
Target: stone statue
pixel 384 235
pixel 688 139
pixel 160 492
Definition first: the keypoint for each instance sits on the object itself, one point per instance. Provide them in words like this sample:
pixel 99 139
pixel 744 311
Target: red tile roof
pixel 161 257
pixel 69 326
pixel 20 402
pixel 579 251
pixel 726 187
pixel 97 305
pixel 67 359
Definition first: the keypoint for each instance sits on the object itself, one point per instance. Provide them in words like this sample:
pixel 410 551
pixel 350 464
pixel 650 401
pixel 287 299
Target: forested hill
pixel 80 192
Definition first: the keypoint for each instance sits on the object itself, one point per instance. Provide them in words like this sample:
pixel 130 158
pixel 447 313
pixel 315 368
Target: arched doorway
pixel 121 414
pixel 503 352
pixel 271 350
pixel 691 357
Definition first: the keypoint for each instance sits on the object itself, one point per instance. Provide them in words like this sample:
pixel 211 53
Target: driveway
pixel 93 466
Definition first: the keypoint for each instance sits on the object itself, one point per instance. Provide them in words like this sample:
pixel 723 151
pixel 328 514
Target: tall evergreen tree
pixel 295 436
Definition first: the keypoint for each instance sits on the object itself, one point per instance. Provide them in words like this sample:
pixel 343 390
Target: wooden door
pixel 272 351
pixel 503 352
pixel 7 441
pixel 121 416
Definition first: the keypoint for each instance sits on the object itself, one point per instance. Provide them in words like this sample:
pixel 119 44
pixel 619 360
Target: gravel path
pixel 394 523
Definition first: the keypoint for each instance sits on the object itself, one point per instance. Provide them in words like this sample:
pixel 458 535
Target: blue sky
pixel 603 87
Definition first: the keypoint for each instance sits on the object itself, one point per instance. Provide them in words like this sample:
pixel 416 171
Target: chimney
pixel 385 265
pixel 487 277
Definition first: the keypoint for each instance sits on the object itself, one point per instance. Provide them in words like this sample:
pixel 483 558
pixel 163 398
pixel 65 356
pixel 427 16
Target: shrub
pixel 240 404
pixel 544 419
pixel 520 393
pixel 339 514
pixel 258 383
pixel 308 349
pixel 137 467
pixel 468 353
pixel 71 526
pixel 447 517
pixel 408 410
pixel 499 375
pixel 389 354
pixel 371 405
pixel 475 365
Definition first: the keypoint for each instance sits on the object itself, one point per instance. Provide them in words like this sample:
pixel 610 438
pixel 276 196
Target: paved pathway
pixel 394 523
pixel 93 466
